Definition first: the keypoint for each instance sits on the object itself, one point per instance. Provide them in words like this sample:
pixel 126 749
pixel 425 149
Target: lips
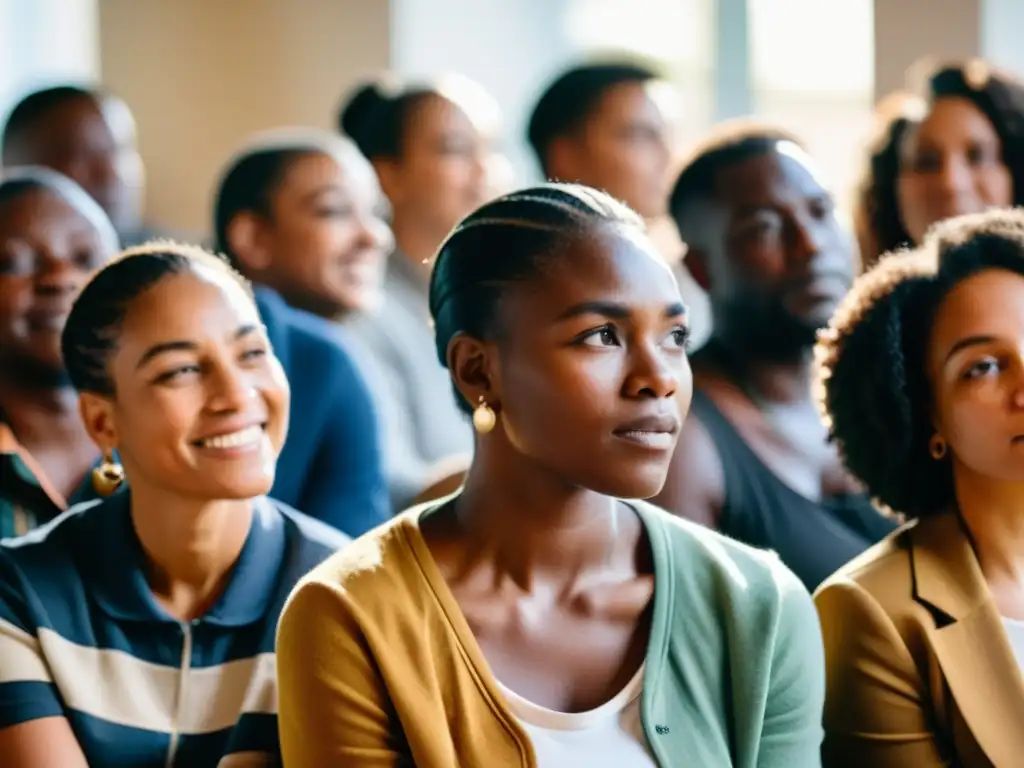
pixel 657 431
pixel 47 320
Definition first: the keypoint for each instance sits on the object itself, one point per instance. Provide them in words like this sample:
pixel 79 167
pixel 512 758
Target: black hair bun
pixel 362 110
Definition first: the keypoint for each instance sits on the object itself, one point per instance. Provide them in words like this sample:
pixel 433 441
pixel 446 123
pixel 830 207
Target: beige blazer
pixel 919 670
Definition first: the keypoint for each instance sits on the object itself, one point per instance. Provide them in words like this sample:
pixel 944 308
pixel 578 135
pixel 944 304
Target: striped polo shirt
pixel 81 636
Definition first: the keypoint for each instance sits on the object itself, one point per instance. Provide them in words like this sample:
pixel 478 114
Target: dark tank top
pixel 813 538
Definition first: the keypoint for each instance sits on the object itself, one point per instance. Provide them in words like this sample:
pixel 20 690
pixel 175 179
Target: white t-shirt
pixel 610 736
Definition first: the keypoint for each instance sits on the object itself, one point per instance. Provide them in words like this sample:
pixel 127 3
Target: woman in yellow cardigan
pixel 536 619
pixel 923 380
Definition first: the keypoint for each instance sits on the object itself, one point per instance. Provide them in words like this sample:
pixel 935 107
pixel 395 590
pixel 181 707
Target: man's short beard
pixel 769 334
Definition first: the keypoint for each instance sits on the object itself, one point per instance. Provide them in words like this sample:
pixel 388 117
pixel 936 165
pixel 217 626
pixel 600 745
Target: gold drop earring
pixel 108 476
pixel 484 417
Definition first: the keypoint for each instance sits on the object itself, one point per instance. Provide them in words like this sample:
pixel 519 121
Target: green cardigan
pixel 378 667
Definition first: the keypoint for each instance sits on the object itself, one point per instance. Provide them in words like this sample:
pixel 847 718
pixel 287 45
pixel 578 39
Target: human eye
pixel 979 369
pixel 679 337
pixel 178 374
pixel 605 336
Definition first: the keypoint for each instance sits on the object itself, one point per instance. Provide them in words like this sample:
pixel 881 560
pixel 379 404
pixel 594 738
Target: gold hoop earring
pixel 938 447
pixel 108 476
pixel 484 417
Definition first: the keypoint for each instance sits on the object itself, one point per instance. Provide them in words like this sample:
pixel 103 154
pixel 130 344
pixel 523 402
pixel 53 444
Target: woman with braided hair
pixel 921 378
pixel 537 619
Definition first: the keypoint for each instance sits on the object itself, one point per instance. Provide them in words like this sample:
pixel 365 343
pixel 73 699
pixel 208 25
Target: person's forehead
pixel 777 173
pixel 71 122
pixel 606 262
pixel 992 300
pixel 189 302
pixel 628 99
pixel 34 204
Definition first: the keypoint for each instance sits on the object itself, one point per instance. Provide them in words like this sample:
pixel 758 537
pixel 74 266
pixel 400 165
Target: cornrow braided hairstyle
pixel 93 327
pixel 871 381
pixel 505 241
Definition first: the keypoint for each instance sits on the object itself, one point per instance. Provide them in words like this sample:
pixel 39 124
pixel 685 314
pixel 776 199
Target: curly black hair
pixel 999 96
pixel 876 216
pixel 871 382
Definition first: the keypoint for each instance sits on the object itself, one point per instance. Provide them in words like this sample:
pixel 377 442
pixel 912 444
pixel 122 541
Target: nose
pixel 229 389
pixel 375 233
pixel 479 165
pixel 807 239
pixel 954 176
pixel 57 276
pixel 653 373
pixel 1016 371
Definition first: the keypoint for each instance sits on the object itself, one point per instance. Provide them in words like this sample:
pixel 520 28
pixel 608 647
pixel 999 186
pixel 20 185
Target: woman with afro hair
pixel 921 380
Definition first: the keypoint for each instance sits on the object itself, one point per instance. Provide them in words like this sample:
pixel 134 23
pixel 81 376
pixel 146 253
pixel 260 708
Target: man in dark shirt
pixel 754 458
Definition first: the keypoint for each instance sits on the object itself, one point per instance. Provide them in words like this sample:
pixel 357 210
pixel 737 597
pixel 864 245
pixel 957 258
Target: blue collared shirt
pixel 331 466
pixel 81 636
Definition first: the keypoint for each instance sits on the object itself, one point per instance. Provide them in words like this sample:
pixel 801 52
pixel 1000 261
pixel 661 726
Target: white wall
pixel 511 48
pixel 46 41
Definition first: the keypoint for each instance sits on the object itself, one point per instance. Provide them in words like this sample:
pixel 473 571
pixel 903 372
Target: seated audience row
pixel 549 311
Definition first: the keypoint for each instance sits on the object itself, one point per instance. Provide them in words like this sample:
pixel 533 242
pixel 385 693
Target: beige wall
pixel 202 74
pixel 907 30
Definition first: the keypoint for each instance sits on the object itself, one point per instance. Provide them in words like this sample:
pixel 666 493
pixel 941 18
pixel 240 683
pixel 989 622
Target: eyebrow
pixel 614 309
pixel 185 346
pixel 322 190
pixel 968 341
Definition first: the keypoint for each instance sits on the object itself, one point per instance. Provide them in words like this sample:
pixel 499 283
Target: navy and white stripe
pixel 81 636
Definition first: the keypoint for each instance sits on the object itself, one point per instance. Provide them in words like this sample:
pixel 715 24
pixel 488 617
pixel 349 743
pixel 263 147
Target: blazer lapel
pixel 973 649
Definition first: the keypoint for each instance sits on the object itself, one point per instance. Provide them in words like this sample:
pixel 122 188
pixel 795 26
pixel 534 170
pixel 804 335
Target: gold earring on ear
pixel 484 417
pixel 938 447
pixel 108 476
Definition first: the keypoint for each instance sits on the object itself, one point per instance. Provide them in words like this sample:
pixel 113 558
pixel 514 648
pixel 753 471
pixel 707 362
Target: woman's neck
pixel 24 407
pixel 534 526
pixel 416 243
pixel 994 514
pixel 190 547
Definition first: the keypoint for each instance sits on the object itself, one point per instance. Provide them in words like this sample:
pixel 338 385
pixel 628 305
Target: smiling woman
pixel 922 382
pixel 537 618
pixel 52 237
pixel 173 588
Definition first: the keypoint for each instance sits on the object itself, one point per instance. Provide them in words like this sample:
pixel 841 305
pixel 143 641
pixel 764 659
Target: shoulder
pixel 58 538
pixel 295 333
pixel 372 574
pixel 706 554
pixel 47 567
pixel 314 538
pixel 883 572
pixel 743 594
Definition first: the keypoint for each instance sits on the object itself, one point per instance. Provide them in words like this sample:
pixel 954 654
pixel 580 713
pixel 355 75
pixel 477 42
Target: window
pixel 812 70
pixel 679 34
pixel 43 42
